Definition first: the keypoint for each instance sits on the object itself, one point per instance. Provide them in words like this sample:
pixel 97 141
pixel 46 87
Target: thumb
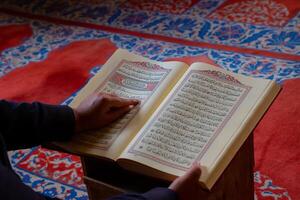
pixel 190 178
pixel 194 172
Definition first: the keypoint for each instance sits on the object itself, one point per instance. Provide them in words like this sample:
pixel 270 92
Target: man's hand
pixel 188 187
pixel 99 109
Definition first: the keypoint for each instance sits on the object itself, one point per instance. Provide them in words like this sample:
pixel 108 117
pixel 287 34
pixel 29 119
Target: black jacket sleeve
pixel 11 187
pixel 154 194
pixel 25 125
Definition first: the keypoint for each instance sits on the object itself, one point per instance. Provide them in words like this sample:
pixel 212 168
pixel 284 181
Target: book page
pixel 128 76
pixel 197 121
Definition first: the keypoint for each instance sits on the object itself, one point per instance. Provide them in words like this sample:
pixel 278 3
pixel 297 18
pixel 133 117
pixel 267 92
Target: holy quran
pixel 197 113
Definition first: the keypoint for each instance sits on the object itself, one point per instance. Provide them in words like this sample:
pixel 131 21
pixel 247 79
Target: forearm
pixel 25 125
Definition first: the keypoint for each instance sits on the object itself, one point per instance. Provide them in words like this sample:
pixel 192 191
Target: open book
pixel 198 113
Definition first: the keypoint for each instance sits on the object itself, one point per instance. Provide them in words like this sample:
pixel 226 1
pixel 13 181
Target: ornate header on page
pixel 130 80
pixel 221 76
pixel 145 65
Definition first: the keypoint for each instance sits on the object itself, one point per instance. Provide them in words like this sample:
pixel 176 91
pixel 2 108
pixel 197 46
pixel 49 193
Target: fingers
pixel 117 113
pixel 99 109
pixel 116 106
pixel 115 101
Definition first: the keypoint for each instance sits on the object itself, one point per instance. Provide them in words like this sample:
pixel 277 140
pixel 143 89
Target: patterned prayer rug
pixel 51 60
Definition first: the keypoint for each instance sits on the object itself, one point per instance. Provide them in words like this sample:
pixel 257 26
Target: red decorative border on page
pixel 212 74
pixel 115 77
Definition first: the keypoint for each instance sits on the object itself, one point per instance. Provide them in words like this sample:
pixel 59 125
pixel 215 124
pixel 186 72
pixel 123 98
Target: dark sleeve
pixel 24 125
pixel 12 188
pixel 10 183
pixel 154 194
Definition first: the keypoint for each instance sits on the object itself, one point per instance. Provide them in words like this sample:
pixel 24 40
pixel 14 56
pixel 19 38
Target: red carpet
pixel 60 59
pixel 19 33
pixel 56 78
pixel 277 139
